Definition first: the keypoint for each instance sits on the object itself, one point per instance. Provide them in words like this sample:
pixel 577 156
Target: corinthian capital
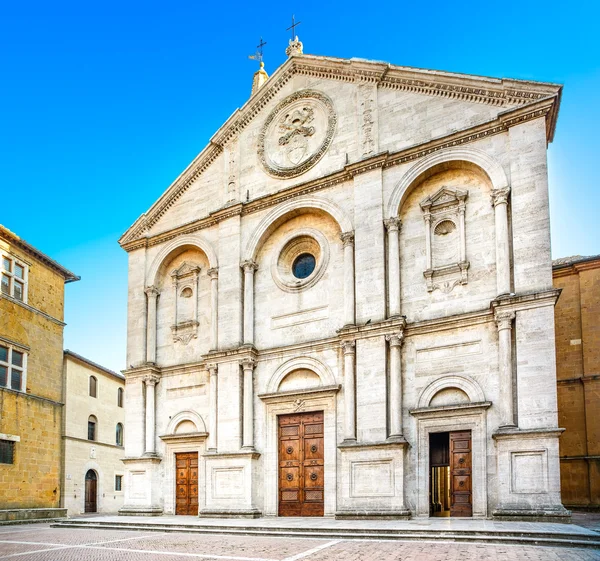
pixel 392 224
pixel 151 291
pixel 500 196
pixel 248 364
pixel 347 238
pixel 395 339
pixel 213 273
pixel 504 319
pixel 348 347
pixel 249 266
pixel 151 379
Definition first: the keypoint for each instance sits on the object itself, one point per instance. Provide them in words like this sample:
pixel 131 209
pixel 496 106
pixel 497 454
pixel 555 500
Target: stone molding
pixel 184 437
pixel 289 396
pixel 464 383
pixel 262 231
pixel 186 416
pixel 137 236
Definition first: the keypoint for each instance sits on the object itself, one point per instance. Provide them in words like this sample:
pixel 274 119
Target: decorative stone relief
pixel 445 239
pixel 231 193
pixel 185 285
pixel 296 134
pixel 367 109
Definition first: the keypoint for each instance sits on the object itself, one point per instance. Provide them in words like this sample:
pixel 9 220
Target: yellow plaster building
pixel 93 437
pixel 31 380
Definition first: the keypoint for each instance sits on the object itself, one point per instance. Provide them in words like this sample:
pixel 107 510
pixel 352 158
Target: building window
pixel 119 434
pixel 12 368
pixel 118 482
pixel 303 265
pixel 120 397
pixel 92 422
pixel 7 452
pixel 14 278
pixel 93 386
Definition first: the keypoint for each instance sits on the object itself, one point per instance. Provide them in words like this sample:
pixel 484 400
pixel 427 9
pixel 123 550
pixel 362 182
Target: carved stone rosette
pixel 296 134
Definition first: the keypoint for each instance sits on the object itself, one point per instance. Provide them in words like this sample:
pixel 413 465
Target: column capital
pixel 393 224
pixel 504 318
pixel 500 196
pixel 347 238
pixel 348 347
pixel 248 364
pixel 395 339
pixel 151 379
pixel 213 273
pixel 249 266
pixel 212 368
pixel 152 291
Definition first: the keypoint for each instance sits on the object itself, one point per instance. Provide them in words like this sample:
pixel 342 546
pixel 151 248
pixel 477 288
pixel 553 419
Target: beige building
pixel 93 436
pixel 344 305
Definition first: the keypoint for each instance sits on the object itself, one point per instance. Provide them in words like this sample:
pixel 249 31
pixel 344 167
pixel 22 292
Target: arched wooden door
pixel 91 491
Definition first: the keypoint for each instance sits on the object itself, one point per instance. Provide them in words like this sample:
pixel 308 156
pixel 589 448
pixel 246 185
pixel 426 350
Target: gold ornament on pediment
pixel 296 134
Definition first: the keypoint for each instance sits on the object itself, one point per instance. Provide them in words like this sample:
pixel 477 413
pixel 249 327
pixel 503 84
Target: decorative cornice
pixel 504 93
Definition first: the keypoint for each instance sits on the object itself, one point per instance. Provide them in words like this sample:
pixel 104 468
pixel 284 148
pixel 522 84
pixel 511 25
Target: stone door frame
pixel 471 417
pixel 322 398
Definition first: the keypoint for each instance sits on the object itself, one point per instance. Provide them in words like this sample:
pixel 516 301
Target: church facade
pixel 344 305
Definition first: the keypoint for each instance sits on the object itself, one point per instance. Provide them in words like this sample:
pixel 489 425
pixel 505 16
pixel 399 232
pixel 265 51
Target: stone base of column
pixel 232 485
pixel 143 492
pixel 528 475
pixel 396 438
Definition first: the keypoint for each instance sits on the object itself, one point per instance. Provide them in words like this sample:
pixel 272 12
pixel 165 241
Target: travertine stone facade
pixel 31 341
pixel 102 455
pixel 577 324
pixel 422 199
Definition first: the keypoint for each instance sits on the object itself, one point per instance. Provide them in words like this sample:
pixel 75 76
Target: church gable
pixel 316 115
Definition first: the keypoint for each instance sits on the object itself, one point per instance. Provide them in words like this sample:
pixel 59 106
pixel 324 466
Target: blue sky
pixel 105 103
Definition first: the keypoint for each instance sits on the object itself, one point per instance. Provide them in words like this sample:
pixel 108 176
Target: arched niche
pixel 175 248
pixel 185 423
pixel 287 210
pixel 303 373
pixel 469 158
pixel 451 390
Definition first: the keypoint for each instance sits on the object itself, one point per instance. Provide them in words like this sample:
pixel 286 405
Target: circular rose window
pixel 300 260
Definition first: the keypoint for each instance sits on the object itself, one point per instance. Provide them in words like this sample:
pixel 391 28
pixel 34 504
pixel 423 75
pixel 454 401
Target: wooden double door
pixel 450 486
pixel 301 464
pixel 186 485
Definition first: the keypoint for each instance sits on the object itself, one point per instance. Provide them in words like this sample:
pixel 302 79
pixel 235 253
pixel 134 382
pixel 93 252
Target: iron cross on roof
pixel 293 27
pixel 259 51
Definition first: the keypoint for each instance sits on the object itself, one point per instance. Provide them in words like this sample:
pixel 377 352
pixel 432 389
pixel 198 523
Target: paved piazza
pixel 39 542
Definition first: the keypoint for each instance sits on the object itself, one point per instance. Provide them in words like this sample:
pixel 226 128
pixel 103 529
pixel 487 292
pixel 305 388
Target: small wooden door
pixel 91 491
pixel 301 465
pixel 460 474
pixel 186 495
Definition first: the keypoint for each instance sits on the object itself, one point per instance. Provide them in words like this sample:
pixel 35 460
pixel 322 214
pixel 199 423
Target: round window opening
pixel 304 265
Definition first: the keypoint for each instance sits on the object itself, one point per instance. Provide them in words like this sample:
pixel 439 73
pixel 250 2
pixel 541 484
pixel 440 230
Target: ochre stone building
pixel 577 321
pixel 31 379
pixel 344 305
pixel 93 436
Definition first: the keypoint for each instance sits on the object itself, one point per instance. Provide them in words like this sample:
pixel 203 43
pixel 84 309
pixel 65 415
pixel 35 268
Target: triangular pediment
pixel 501 94
pixel 443 197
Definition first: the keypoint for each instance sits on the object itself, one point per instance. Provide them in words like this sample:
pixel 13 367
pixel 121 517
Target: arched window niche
pixel 93 386
pixel 119 435
pixel 92 428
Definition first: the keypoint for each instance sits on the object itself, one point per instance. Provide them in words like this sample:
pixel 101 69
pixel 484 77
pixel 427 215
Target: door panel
pixel 460 474
pixel 301 464
pixel 90 495
pixel 186 483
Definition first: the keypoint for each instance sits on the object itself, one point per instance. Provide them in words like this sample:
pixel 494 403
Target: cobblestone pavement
pixel 39 542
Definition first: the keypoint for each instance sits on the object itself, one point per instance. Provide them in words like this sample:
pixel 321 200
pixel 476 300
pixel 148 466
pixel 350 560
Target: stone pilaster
pixel 500 203
pixel 249 269
pixel 152 295
pixel 393 226
pixel 349 294
pixel 150 382
pixel 214 308
pixel 395 341
pixel 504 321
pixel 213 388
pixel 248 365
pixel 348 348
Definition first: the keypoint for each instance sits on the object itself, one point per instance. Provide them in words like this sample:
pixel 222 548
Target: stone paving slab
pixel 83 545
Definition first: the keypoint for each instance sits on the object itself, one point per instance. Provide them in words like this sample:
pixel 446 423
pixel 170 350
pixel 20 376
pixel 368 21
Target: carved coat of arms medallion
pixel 296 134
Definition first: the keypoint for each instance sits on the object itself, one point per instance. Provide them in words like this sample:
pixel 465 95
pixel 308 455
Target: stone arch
pixel 467 385
pixel 307 363
pixel 182 416
pixel 188 240
pixel 486 163
pixel 294 206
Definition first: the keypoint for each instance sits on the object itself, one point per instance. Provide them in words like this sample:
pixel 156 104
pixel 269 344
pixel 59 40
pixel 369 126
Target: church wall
pixel 400 111
pixel 419 304
pixel 136 308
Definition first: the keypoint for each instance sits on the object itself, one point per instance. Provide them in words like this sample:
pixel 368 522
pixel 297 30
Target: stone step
pixel 475 536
